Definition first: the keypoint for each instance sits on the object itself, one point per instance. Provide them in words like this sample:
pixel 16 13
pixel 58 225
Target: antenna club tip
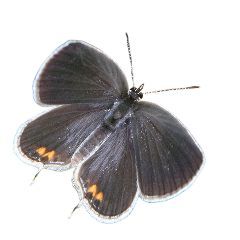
pixel 194 87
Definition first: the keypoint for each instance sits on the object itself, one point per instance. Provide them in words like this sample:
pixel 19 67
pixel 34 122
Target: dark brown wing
pixel 51 139
pixel 77 72
pixel 107 181
pixel 167 157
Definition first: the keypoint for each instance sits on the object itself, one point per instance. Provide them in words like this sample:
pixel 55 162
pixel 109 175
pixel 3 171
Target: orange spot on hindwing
pixel 44 153
pixel 50 155
pixel 92 189
pixel 94 193
pixel 99 196
pixel 41 150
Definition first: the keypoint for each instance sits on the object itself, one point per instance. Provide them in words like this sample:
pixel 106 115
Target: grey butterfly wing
pixel 167 157
pixel 107 181
pixel 77 72
pixel 50 140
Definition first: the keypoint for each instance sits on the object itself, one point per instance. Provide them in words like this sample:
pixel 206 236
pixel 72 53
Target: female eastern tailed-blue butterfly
pixel 121 147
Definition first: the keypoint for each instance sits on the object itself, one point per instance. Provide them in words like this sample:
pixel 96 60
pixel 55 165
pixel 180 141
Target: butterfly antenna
pixel 34 178
pixel 130 58
pixel 172 89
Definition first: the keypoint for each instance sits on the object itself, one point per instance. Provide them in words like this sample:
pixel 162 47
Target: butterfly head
pixel 136 93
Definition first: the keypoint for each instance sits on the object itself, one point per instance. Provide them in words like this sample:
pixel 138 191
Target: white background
pixel 174 44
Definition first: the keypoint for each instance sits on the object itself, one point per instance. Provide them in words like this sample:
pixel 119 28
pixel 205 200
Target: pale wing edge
pixel 168 196
pixel 35 86
pixel 24 158
pixel 92 212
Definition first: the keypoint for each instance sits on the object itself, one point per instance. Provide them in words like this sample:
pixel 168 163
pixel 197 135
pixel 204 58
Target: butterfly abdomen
pixel 116 116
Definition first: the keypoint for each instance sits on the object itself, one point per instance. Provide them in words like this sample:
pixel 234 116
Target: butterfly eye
pixel 140 95
pixel 133 89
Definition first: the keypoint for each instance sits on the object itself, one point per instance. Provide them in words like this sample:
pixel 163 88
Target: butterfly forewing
pixel 79 73
pixel 167 157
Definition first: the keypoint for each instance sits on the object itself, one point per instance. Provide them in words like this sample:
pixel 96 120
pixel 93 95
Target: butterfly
pixel 119 146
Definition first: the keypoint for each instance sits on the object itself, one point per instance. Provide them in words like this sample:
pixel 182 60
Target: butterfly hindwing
pixel 51 139
pixel 167 157
pixel 107 180
pixel 77 72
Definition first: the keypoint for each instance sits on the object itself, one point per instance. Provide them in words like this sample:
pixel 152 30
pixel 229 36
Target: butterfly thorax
pixel 118 114
pixel 121 110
